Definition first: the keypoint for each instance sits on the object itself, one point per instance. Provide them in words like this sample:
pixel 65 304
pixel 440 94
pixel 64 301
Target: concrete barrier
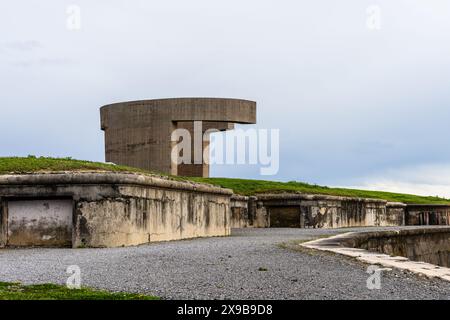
pixel 104 209
pixel 420 214
pixel 239 212
pixel 322 211
pixel 111 209
pixel 421 250
pixel 430 245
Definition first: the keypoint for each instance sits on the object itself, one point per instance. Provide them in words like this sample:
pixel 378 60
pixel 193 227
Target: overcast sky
pixel 355 106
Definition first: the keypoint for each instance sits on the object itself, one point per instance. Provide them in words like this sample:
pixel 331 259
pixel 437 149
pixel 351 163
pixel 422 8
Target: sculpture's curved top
pixel 140 113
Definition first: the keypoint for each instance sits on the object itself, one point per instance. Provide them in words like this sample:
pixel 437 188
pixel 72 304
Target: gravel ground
pixel 251 264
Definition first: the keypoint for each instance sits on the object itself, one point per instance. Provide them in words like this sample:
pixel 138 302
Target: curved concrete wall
pixel 135 114
pixel 430 245
pixel 427 215
pixel 421 250
pixel 120 209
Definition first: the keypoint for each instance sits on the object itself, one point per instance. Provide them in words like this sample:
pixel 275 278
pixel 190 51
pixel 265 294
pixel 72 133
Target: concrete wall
pixel 239 212
pixel 112 210
pixel 259 215
pixel 320 211
pixel 431 245
pixel 427 215
pixel 40 222
pixel 142 215
pixel 395 214
pixel 3 223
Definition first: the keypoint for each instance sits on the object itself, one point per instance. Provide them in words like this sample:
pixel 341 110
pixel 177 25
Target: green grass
pixel 253 187
pixel 17 291
pixel 33 164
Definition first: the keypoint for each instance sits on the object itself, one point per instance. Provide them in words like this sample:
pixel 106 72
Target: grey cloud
pixel 349 102
pixel 43 62
pixel 23 46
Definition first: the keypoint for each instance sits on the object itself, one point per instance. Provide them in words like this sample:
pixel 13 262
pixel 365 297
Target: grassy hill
pixel 240 186
pixel 32 164
pixel 252 187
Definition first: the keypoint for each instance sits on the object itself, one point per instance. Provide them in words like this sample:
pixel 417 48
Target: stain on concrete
pixel 39 223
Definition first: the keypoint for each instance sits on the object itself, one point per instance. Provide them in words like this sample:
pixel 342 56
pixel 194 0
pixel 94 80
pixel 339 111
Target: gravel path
pixel 220 268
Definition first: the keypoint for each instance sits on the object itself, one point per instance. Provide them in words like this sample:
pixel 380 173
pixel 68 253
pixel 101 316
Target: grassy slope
pixel 252 187
pixel 32 164
pixel 240 186
pixel 16 291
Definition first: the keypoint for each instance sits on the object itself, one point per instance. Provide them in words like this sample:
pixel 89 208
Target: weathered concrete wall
pixel 285 217
pixel 112 210
pixel 40 222
pixel 3 223
pixel 427 215
pixel 257 213
pixel 320 211
pixel 341 212
pixel 395 215
pixel 250 211
pixel 431 245
pixel 143 215
pixel 239 212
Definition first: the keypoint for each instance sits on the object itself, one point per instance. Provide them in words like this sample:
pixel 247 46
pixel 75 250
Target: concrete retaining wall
pixel 395 248
pixel 240 212
pixel 111 210
pixel 115 209
pixel 320 211
pixel 427 215
pixel 431 245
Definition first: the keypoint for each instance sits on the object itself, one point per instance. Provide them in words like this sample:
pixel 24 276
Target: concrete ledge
pixel 236 197
pixel 99 178
pixel 345 245
pixel 304 196
pixel 357 239
pixel 396 205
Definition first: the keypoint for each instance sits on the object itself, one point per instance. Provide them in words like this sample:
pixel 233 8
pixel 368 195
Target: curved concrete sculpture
pixel 138 133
